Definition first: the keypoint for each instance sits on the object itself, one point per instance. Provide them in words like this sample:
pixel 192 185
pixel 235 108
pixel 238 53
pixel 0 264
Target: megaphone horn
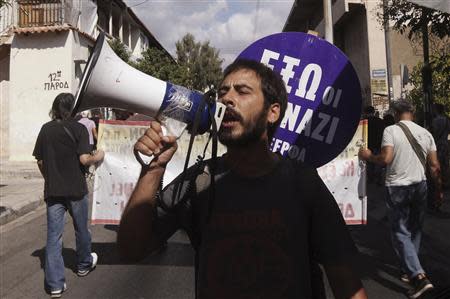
pixel 108 81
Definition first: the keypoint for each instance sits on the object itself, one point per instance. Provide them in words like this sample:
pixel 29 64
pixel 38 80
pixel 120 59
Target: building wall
pixel 4 102
pixel 81 50
pixel 355 46
pixel 403 51
pixel 41 68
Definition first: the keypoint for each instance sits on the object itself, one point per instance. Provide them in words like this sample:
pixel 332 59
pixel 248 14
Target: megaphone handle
pixel 140 158
pixel 145 160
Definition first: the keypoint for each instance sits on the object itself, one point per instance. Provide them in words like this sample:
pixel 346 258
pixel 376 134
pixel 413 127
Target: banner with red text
pixel 345 177
pixel 117 175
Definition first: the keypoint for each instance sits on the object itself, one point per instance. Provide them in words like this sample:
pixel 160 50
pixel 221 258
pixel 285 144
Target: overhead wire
pixel 145 1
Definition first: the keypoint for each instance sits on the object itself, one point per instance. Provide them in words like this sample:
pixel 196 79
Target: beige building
pixel 44 47
pixel 359 34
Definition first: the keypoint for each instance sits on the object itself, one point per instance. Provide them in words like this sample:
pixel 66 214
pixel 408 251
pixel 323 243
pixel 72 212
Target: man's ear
pixel 274 113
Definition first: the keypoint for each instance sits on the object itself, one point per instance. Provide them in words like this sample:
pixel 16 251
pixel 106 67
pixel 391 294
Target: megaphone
pixel 108 81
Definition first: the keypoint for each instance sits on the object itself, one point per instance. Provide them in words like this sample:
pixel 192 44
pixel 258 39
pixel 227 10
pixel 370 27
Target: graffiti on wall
pixel 55 82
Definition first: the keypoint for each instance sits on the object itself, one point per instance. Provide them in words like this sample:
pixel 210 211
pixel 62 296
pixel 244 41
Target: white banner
pixel 117 175
pixel 345 177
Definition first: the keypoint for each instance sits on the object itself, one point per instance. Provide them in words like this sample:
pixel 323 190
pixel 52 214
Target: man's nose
pixel 228 99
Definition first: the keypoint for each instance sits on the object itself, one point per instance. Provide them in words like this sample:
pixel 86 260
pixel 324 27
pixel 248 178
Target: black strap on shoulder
pixel 195 125
pixel 415 145
pixel 207 101
pixel 70 134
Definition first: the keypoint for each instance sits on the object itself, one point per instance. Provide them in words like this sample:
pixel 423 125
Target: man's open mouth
pixel 230 118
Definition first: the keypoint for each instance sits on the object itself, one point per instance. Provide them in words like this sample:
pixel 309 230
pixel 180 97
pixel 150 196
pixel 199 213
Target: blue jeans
pixel 406 211
pixel 54 263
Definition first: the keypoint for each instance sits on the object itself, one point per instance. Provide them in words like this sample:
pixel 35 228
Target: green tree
pixel 156 63
pixel 120 49
pixel 414 20
pixel 200 63
pixel 441 83
pixel 197 66
pixel 407 17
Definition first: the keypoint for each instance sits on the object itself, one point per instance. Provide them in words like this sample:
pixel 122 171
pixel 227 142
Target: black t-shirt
pixel 375 131
pixel 59 152
pixel 264 233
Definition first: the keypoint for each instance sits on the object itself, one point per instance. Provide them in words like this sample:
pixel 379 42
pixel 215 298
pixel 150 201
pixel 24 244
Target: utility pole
pixel 427 82
pixel 387 43
pixel 328 20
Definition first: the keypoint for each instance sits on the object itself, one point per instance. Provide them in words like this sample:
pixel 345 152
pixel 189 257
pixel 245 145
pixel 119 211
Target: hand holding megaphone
pixel 155 143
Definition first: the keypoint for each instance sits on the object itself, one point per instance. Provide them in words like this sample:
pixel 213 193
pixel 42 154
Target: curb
pixel 9 214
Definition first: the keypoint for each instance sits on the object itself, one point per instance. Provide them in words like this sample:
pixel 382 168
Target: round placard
pixel 324 95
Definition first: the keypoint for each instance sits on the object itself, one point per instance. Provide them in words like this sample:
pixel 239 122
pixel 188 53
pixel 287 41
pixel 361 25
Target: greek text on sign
pixel 323 92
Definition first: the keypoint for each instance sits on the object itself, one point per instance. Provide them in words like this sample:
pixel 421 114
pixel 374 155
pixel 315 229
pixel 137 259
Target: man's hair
pixel 62 106
pixel 402 106
pixel 369 110
pixel 272 85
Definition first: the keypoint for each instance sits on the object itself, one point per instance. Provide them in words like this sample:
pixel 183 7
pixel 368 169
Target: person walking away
pixel 268 220
pixel 441 129
pixel 91 128
pixel 61 150
pixel 375 134
pixel 406 189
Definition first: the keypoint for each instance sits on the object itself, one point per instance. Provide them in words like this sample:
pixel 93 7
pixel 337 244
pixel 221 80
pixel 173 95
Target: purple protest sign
pixel 323 91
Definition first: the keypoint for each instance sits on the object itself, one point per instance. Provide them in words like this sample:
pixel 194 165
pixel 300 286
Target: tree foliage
pixel 200 61
pixel 120 49
pixel 156 63
pixel 407 17
pixel 441 83
pixel 197 66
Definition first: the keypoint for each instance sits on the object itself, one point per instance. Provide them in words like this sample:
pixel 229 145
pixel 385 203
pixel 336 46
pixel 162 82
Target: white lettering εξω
pixel 316 72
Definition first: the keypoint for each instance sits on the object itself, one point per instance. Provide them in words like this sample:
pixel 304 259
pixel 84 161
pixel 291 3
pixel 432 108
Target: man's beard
pixel 252 131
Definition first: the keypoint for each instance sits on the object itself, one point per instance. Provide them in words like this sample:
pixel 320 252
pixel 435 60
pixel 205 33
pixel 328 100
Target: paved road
pixel 170 273
pixel 167 275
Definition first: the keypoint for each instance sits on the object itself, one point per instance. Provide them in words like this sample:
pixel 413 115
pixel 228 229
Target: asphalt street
pixel 170 273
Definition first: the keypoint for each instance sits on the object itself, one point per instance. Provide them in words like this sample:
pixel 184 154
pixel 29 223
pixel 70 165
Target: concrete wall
pixel 403 51
pixel 355 46
pixel 377 58
pixel 4 102
pixel 41 68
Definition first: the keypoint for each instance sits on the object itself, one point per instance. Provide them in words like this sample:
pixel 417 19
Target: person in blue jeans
pixel 406 189
pixel 62 151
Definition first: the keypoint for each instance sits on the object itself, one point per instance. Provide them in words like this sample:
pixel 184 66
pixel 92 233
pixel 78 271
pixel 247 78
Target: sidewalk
pixel 21 189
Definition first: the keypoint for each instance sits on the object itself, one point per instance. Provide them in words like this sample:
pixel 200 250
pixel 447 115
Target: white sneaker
pixel 82 273
pixel 58 293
